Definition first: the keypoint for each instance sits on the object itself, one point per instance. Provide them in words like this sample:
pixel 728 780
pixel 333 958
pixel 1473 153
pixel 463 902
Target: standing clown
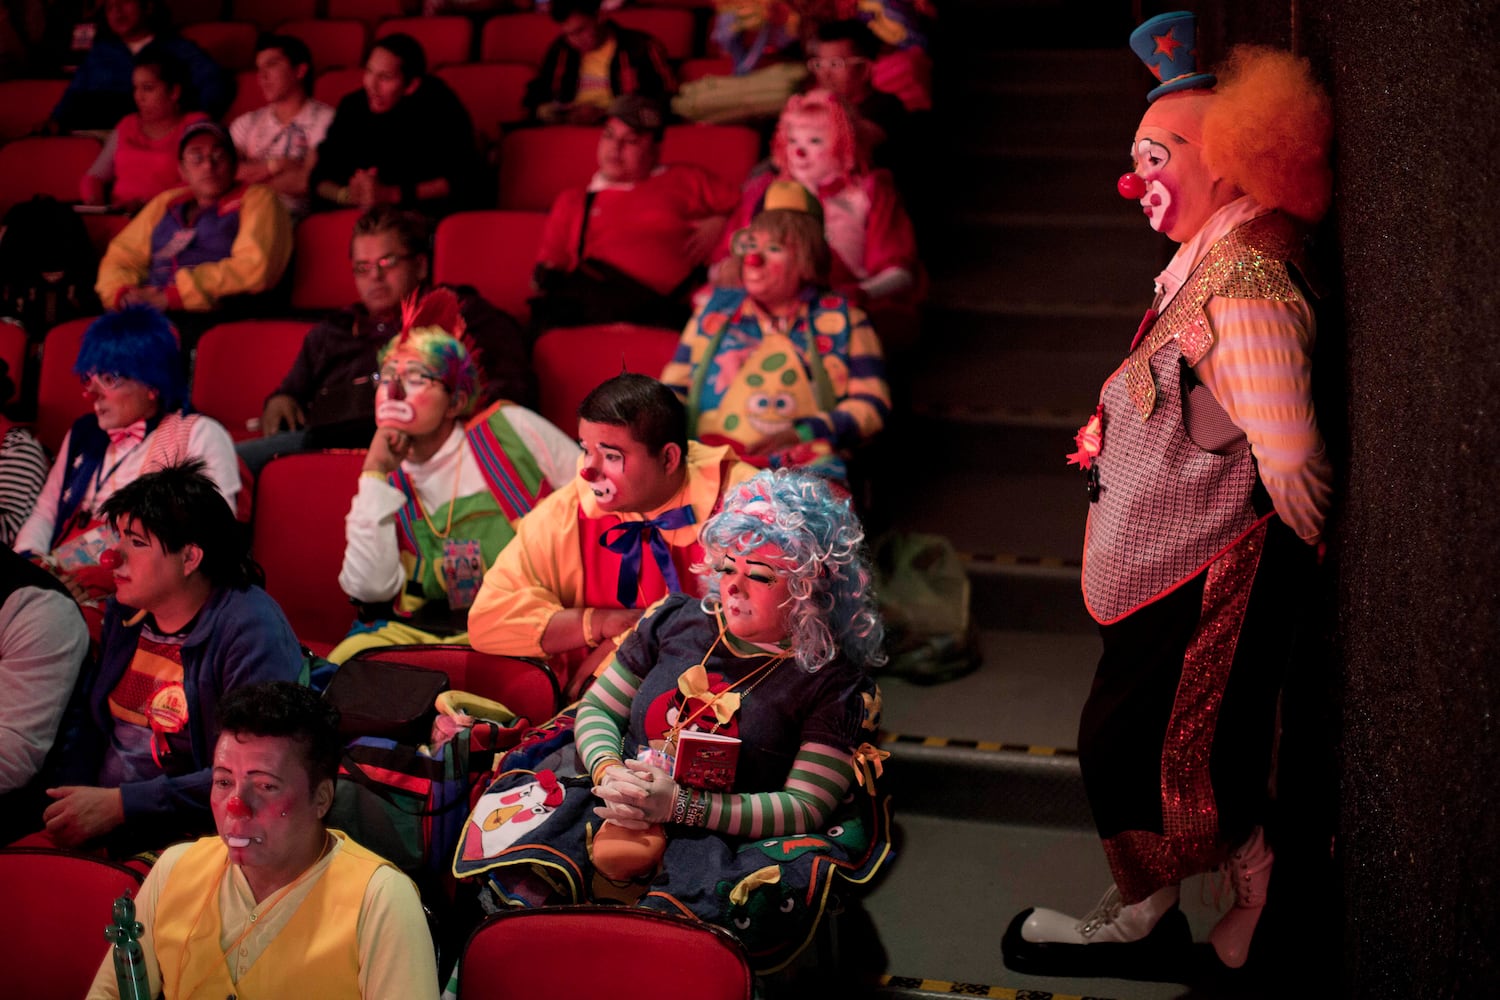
pixel 1209 486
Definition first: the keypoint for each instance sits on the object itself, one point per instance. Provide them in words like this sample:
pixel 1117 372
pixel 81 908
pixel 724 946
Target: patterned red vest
pixel 1167 508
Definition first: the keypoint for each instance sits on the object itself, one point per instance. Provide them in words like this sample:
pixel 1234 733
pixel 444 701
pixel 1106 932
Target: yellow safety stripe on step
pixel 887 738
pixel 1007 559
pixel 972 989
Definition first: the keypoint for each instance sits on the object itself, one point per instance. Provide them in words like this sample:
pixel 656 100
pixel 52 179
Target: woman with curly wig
pixel 722 739
pixel 131 372
pixel 787 373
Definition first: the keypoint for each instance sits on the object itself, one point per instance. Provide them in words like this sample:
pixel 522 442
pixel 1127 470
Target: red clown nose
pixel 109 559
pixel 235 808
pixel 755 259
pixel 1131 186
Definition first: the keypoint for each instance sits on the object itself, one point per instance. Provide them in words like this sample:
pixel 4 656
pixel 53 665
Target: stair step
pixel 1021 593
pixel 1033 260
pixel 1022 704
pixel 960 332
pixel 1038 179
pixel 996 511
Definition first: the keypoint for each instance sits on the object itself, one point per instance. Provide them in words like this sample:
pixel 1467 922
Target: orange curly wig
pixel 1268 131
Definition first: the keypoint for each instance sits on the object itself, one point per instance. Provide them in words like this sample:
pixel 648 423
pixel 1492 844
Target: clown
pixel 874 249
pixel 780 651
pixel 788 374
pixel 437 500
pixel 1210 486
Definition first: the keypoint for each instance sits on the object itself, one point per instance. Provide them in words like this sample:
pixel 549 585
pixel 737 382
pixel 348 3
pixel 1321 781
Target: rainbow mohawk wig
pixel 432 328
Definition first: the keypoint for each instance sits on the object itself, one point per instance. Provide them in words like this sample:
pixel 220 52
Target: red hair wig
pixel 1268 131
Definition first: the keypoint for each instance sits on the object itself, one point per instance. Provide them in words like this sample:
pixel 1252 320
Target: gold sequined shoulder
pixel 1251 262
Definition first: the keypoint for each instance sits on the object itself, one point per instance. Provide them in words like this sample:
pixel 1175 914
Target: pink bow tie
pixel 134 434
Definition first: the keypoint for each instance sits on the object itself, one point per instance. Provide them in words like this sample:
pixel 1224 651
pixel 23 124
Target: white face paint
pixel 1151 159
pixel 809 153
pixel 394 411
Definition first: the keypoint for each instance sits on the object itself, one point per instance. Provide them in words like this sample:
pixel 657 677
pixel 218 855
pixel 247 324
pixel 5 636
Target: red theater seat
pixel 493 251
pixel 333 44
pixel 25 104
pixel 239 364
pixel 673 28
pixel 371 12
pixel 321 278
pixel 536 164
pixel 49 165
pixel 231 44
pixel 571 361
pixel 624 953
pixel 728 150
pixel 492 93
pixel 59 397
pixel 298 538
pixel 60 903
pixel 333 85
pixel 270 13
pixel 444 39
pixel 521 38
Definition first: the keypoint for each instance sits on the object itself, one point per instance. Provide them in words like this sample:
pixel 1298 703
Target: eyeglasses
pixel 413 379
pixel 197 157
pixel 384 264
pixel 835 63
pixel 102 380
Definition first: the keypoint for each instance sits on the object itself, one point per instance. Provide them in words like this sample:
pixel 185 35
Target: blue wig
pixel 138 343
pixel 833 602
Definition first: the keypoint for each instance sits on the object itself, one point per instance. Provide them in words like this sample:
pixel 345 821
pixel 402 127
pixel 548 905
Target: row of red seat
pixel 301 500
pixel 622 952
pixel 536 165
pixel 521 38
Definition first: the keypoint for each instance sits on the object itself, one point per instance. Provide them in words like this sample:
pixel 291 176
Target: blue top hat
pixel 1168 45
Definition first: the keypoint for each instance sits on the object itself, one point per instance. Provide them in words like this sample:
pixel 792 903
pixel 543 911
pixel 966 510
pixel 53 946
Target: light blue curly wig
pixel 833 601
pixel 136 342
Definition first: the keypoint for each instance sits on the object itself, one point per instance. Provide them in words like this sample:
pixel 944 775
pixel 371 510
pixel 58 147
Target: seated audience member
pixel 904 68
pixel 193 247
pixel 873 244
pixel 43 642
pixel 99 94
pixel 426 469
pixel 590 63
pixel 139 160
pixel 132 373
pixel 278 142
pixel 405 139
pixel 23 466
pixel 326 401
pixel 785 371
pixel 841 56
pixel 625 247
pixel 776 656
pixel 189 623
pixel 754 33
pixel 310 912
pixel 589 557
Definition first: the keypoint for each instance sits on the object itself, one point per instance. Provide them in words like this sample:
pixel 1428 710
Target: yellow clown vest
pixel 315 955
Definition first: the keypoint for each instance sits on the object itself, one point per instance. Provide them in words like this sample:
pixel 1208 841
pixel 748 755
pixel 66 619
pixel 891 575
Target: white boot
pixel 1111 921
pixel 1249 870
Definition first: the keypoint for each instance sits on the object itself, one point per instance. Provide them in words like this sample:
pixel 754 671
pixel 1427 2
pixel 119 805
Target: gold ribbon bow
pixel 869 764
pixel 740 894
pixel 693 683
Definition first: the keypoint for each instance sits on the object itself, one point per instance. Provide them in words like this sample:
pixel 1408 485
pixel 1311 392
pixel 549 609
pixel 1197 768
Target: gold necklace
pixel 754 678
pixel 452 502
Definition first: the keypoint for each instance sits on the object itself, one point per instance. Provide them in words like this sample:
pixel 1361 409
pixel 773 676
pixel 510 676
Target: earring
pixel 283 814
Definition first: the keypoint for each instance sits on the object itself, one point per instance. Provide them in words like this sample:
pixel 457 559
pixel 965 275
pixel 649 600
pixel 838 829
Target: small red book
pixel 706 761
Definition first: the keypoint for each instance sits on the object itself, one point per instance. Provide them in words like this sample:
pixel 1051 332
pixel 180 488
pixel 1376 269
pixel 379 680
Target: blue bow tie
pixel 628 536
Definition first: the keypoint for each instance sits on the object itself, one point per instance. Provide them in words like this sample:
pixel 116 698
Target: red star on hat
pixel 1167 44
